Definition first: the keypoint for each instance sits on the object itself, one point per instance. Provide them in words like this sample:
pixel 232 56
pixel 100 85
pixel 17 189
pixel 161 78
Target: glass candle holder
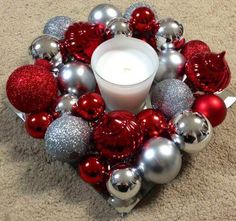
pixel 124 69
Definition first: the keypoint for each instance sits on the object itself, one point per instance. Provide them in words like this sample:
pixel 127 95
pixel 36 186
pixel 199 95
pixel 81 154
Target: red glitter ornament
pixel 43 63
pixel 93 170
pixel 118 135
pixel 212 107
pixel 194 47
pixel 37 124
pixel 31 88
pixel 153 123
pixel 81 39
pixel 90 106
pixel 208 72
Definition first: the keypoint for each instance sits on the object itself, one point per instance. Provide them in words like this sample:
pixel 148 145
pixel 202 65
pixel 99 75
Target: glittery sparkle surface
pixel 67 137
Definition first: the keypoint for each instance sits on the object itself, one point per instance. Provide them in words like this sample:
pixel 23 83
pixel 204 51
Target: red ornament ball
pixel 194 47
pixel 212 107
pixel 43 63
pixel 118 135
pixel 81 39
pixel 153 123
pixel 31 88
pixel 37 124
pixel 208 72
pixel 93 170
pixel 90 106
pixel 179 43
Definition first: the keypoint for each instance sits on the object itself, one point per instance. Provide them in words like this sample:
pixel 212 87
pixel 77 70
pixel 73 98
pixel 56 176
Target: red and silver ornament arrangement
pixel 118 149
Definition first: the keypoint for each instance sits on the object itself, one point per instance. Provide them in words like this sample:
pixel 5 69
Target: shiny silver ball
pixel 124 183
pixel 68 137
pixel 195 129
pixel 65 103
pixel 76 78
pixel 170 29
pixel 57 26
pixel 118 26
pixel 178 140
pixel 44 47
pixel 171 96
pixel 171 65
pixel 56 64
pixel 103 13
pixel 160 161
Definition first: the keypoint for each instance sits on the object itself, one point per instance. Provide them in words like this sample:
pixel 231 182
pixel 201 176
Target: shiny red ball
pixel 118 135
pixel 153 123
pixel 31 88
pixel 208 72
pixel 37 124
pixel 93 170
pixel 212 107
pixel 194 47
pixel 90 106
pixel 81 39
pixel 179 43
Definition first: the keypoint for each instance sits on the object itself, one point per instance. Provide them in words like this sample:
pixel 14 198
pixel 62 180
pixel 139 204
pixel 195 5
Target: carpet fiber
pixel 32 188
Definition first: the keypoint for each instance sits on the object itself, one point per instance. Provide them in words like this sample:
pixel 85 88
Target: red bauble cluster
pixel 31 88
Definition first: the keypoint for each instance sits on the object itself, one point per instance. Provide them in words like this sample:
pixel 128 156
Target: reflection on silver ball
pixel 171 96
pixel 178 140
pixel 160 160
pixel 119 26
pixel 65 103
pixel 57 26
pixel 195 129
pixel 170 29
pixel 76 78
pixel 67 137
pixel 103 13
pixel 124 183
pixel 171 65
pixel 44 47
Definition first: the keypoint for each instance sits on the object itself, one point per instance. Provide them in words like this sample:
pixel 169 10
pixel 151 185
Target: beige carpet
pixel 33 189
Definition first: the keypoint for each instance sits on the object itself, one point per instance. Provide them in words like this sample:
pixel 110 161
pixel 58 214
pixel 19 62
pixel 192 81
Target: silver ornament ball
pixel 195 129
pixel 103 13
pixel 44 47
pixel 57 26
pixel 124 183
pixel 118 26
pixel 66 137
pixel 160 161
pixel 65 103
pixel 56 63
pixel 76 78
pixel 171 96
pixel 178 140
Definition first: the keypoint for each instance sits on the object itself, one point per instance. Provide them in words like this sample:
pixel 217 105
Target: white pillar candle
pixel 124 69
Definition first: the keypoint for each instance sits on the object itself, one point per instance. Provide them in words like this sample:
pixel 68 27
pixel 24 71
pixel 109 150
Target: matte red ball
pixel 118 135
pixel 90 106
pixel 31 88
pixel 194 47
pixel 37 124
pixel 212 107
pixel 153 123
pixel 93 170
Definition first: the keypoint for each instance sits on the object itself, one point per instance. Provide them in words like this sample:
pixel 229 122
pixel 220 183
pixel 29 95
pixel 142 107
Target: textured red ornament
pixel 43 63
pixel 93 170
pixel 208 72
pixel 118 135
pixel 37 124
pixel 90 106
pixel 179 43
pixel 81 39
pixel 31 88
pixel 153 123
pixel 212 107
pixel 194 47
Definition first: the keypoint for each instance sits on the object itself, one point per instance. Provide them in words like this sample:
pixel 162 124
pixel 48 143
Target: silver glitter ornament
pixel 57 26
pixel 65 103
pixel 171 65
pixel 119 26
pixel 171 96
pixel 103 13
pixel 195 129
pixel 44 47
pixel 160 161
pixel 76 78
pixel 124 183
pixel 67 137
